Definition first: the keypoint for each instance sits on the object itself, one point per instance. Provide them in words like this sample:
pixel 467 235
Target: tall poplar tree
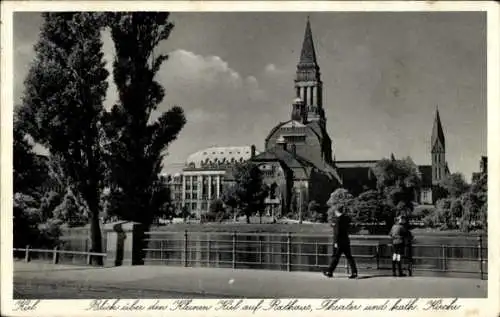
pixel 137 143
pixel 63 103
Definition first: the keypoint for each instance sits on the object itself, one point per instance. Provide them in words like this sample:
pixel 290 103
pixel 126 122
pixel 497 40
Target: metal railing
pixel 296 252
pixel 56 253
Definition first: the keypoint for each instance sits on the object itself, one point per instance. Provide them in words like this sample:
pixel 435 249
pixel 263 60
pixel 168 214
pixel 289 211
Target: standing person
pixel 342 244
pixel 409 248
pixel 401 238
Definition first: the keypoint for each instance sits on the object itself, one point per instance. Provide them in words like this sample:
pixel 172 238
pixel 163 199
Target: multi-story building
pixel 201 180
pixel 297 156
pixel 175 186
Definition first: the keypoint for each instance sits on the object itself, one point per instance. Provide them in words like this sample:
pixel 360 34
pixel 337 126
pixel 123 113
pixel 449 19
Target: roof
pixel 308 54
pixel 293 124
pixel 229 154
pixel 297 162
pixel 300 166
pixel 437 131
pixel 355 164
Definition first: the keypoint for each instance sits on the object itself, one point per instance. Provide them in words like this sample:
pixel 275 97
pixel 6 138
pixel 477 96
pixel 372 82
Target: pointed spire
pixel 437 131
pixel 308 54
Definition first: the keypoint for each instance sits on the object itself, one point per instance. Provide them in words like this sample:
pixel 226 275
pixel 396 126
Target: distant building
pixel 175 186
pixel 483 168
pixel 201 180
pixel 297 159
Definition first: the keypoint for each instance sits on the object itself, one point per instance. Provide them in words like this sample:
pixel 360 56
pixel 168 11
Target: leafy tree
pixel 483 216
pixel 28 177
pixel 62 103
pixel 391 172
pixel 442 217
pixel 471 211
pixel 161 199
pixel 480 188
pixel 29 170
pixel 248 193
pixel 184 213
pixel 137 142
pixel 371 209
pixel 454 185
pixel 398 180
pixel 216 211
pixel 340 198
pixel 71 210
pixel 229 197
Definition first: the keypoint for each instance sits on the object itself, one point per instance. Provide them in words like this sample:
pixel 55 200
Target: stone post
pixel 124 243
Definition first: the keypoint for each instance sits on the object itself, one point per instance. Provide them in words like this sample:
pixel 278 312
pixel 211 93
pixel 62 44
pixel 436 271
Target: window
pixel 195 196
pixel 188 195
pixel 204 205
pixel 194 206
pixel 214 184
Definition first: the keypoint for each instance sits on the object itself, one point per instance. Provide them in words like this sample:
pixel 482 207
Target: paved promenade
pixel 37 280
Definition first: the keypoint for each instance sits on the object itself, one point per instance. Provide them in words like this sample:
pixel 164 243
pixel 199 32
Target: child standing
pixel 401 238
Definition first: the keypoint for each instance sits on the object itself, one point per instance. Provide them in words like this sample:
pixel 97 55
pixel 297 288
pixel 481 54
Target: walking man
pixel 342 244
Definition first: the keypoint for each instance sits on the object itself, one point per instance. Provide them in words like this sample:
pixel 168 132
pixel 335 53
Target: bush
pixel 316 212
pixel 50 233
pixel 292 215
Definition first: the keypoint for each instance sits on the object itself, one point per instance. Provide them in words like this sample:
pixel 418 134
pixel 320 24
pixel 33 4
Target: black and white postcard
pixel 249 158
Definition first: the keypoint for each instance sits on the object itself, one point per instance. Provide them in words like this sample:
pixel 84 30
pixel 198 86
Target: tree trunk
pixel 95 238
pixel 95 230
pixel 248 218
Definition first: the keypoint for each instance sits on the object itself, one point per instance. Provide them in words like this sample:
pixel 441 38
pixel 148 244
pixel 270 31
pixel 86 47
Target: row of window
pixel 230 152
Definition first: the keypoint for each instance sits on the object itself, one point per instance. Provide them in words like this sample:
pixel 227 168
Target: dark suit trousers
pixel 342 248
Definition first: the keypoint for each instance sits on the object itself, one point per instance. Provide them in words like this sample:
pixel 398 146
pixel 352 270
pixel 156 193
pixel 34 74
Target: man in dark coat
pixel 342 244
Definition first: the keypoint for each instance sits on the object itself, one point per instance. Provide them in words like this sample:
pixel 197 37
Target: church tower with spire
pixel 308 85
pixel 438 151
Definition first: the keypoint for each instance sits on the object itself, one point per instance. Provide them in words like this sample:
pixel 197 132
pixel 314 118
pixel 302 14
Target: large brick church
pixel 298 159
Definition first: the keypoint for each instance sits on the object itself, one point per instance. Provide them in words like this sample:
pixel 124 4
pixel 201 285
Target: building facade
pixel 201 180
pixel 297 159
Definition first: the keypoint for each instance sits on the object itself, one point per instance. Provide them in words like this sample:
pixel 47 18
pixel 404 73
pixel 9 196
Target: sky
pixel 384 74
